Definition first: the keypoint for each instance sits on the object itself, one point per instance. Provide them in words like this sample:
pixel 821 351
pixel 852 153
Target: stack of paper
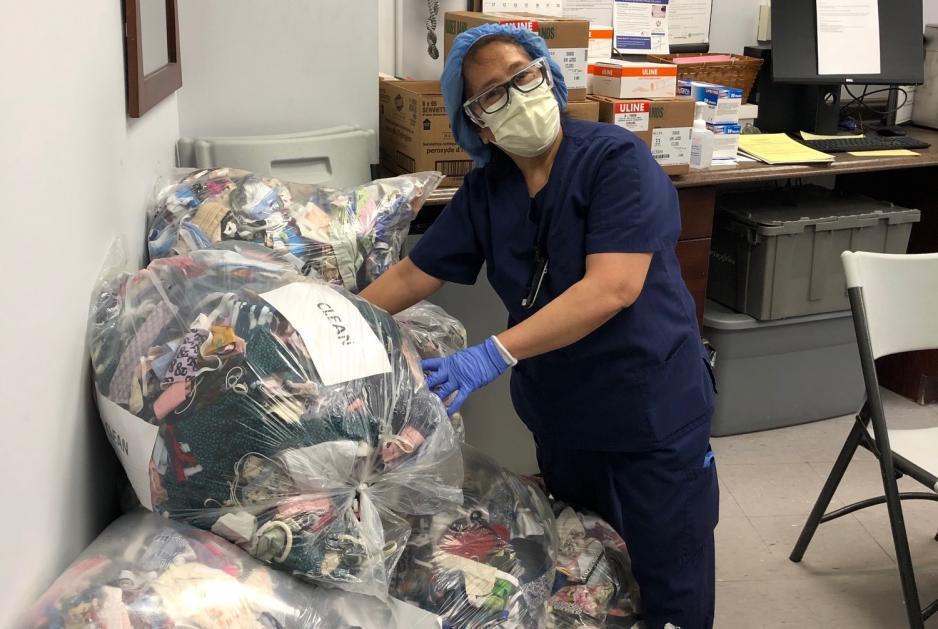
pixel 778 148
pixel 814 136
pixel 885 153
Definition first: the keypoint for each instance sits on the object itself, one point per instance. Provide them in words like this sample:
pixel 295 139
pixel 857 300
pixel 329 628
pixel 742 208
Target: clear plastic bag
pixel 487 563
pixel 594 586
pixel 434 331
pixel 347 237
pixel 147 571
pixel 285 415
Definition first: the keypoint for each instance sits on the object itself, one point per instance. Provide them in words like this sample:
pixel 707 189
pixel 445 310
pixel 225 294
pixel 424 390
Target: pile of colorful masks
pixel 594 586
pixel 146 571
pixel 282 413
pixel 488 562
pixel 346 237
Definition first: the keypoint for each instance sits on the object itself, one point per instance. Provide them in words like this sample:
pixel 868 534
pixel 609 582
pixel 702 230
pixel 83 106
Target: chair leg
pixel 827 492
pixel 900 540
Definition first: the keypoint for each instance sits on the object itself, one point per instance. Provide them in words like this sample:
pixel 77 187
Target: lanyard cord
pixel 433 6
pixel 541 262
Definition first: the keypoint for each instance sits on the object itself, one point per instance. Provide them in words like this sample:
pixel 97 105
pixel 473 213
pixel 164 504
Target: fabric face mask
pixel 529 124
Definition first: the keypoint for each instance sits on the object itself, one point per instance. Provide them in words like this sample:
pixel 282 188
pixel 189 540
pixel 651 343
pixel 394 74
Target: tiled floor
pixel 769 482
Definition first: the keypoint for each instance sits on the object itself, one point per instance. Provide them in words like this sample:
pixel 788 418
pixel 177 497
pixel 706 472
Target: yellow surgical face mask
pixel 529 124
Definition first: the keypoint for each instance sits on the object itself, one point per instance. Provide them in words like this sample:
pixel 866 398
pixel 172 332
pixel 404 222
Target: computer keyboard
pixel 868 143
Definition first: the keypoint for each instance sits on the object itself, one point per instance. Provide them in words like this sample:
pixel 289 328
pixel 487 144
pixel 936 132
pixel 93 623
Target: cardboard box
pixel 664 124
pixel 748 113
pixel 567 39
pixel 632 79
pixel 587 110
pixel 414 131
pixel 725 140
pixel 722 102
pixel 600 42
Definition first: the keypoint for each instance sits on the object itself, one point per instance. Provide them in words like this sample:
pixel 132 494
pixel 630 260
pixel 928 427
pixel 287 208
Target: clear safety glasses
pixel 497 97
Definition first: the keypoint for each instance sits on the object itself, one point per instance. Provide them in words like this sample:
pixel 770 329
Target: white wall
pixel 931 11
pixel 733 25
pixel 386 36
pixel 75 173
pixel 253 67
pixel 415 62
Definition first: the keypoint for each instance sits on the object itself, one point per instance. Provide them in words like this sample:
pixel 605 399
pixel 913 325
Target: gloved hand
pixel 465 371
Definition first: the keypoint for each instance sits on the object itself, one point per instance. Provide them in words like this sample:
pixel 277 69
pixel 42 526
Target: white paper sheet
pixel 541 7
pixel 641 26
pixel 596 11
pixel 848 37
pixel 339 340
pixel 689 21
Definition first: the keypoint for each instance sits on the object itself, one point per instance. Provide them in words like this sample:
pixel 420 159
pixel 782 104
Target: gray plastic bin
pixel 772 374
pixel 776 254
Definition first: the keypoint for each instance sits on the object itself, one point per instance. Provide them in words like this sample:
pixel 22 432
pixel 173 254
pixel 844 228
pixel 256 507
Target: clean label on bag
pixel 339 340
pixel 133 440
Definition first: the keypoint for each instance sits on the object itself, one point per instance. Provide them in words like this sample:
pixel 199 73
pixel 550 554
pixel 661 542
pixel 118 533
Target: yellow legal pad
pixel 885 153
pixel 778 148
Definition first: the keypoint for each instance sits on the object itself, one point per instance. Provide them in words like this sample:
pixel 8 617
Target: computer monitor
pixel 794 45
pixel 793 96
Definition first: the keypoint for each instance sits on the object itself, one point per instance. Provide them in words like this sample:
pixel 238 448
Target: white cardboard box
pixel 722 102
pixel 632 79
pixel 748 113
pixel 600 42
pixel 725 140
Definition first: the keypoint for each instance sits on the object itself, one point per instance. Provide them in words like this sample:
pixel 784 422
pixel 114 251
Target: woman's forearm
pixel 567 319
pixel 403 285
pixel 614 283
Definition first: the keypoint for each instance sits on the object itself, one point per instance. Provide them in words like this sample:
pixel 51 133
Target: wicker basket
pixel 739 72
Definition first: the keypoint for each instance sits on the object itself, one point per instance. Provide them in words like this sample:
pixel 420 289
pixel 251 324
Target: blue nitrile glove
pixel 465 371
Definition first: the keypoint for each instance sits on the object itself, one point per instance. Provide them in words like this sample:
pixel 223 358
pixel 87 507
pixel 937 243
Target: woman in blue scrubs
pixel 577 225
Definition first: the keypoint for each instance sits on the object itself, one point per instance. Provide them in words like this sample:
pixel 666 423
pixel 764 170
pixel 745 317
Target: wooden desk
pixel 907 181
pixel 747 172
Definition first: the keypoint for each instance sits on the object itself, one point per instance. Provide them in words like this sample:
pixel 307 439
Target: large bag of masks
pixel 488 562
pixel 146 571
pixel 348 237
pixel 286 415
pixel 435 333
pixel 594 586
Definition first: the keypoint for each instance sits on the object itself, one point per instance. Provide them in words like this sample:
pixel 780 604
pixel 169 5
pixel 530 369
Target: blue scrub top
pixel 642 377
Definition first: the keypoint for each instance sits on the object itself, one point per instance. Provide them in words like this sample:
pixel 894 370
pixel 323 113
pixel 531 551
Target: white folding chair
pixel 894 299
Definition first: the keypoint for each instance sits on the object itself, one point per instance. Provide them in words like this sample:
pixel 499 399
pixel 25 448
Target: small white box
pixel 748 113
pixel 725 140
pixel 722 102
pixel 632 79
pixel 600 42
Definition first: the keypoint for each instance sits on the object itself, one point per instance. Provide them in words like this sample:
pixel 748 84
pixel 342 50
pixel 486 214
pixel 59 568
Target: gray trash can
pixel 772 374
pixel 776 254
